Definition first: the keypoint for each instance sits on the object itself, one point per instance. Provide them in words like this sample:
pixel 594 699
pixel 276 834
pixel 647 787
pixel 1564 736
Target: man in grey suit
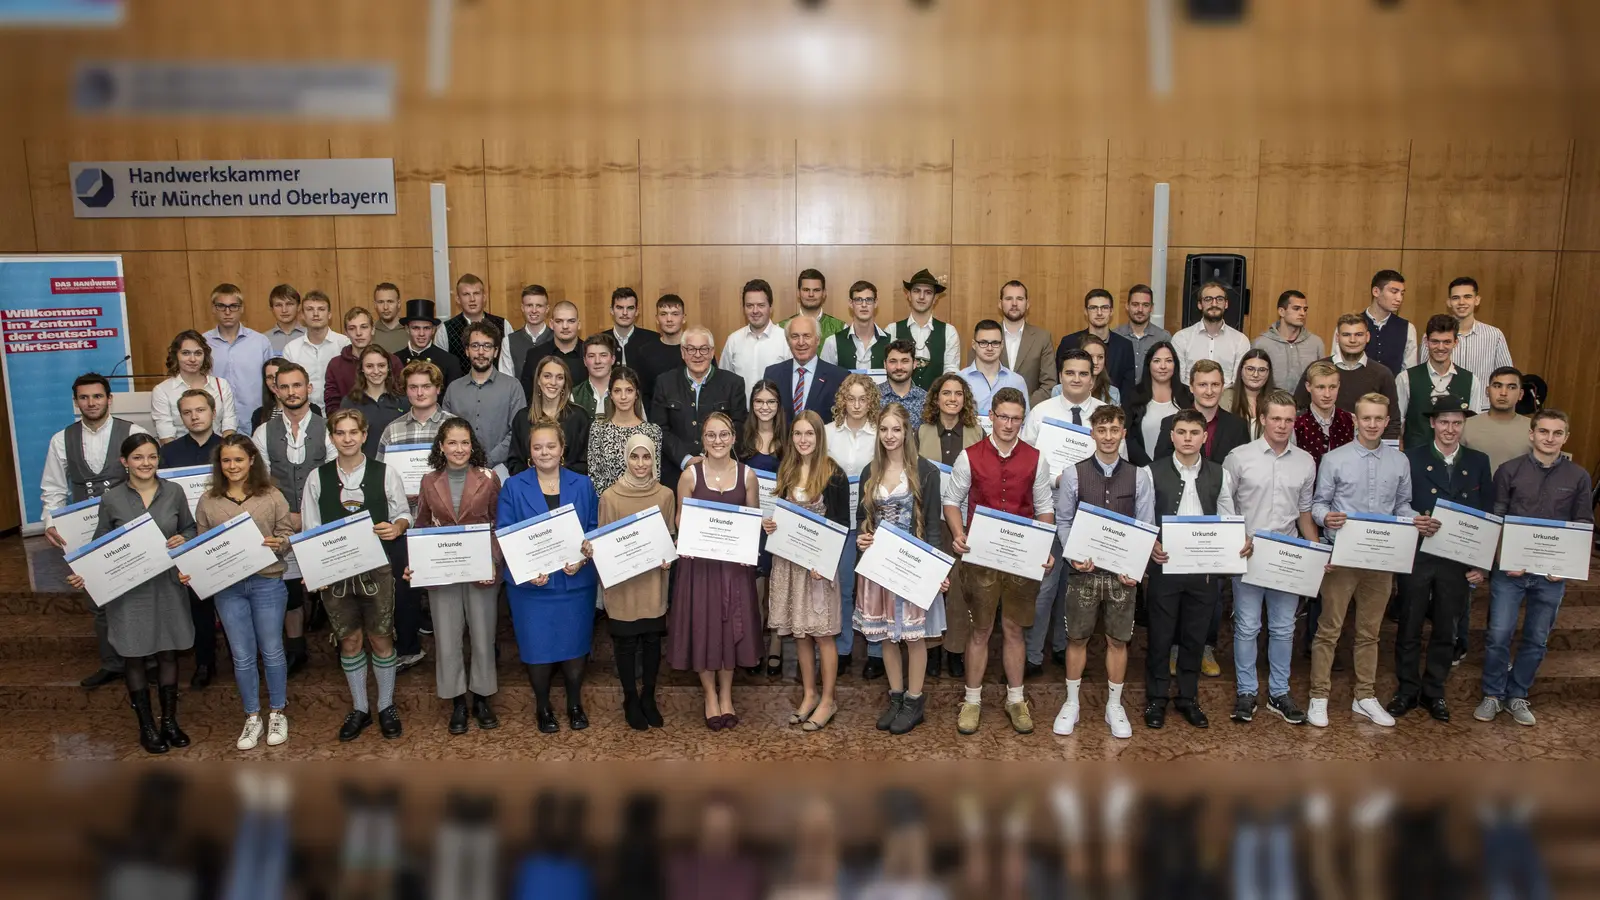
pixel 1029 349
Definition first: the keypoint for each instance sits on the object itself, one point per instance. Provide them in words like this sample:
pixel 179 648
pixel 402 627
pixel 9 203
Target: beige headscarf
pixel 628 485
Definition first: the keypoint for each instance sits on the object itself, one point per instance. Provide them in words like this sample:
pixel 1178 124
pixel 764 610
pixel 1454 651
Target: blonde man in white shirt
pixel 852 439
pixel 320 344
pixel 761 342
pixel 1211 337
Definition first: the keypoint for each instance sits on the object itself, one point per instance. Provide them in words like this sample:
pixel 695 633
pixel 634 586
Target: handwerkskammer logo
pixel 94 188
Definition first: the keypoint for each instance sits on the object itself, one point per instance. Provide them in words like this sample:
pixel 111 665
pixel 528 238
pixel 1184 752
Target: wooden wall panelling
pixel 709 278
pixel 1486 195
pixel 1056 277
pixel 1332 194
pixel 1213 192
pixel 1029 192
pixel 887 267
pixel 1570 367
pixel 1583 199
pixel 871 191
pixel 717 191
pixel 1124 268
pixel 408 268
pixel 257 232
pixel 1334 281
pixel 161 303
pixel 1518 291
pixel 476 261
pixel 16 225
pixel 458 164
pixel 55 229
pixel 256 272
pixel 572 193
pixel 583 275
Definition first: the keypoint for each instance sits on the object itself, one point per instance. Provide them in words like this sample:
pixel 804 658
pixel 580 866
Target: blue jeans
pixel 1248 601
pixel 1506 598
pixel 847 601
pixel 260 865
pixel 252 617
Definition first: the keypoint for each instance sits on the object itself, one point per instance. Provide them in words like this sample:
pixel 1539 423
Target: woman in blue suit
pixel 554 613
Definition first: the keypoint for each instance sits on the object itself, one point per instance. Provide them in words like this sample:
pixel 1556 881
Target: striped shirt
pixel 1480 350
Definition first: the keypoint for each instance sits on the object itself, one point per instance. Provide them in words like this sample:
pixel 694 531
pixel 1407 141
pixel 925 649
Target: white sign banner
pixel 241 187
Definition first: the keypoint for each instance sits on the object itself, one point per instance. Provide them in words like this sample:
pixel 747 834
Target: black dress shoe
pixel 956 663
pixel 1029 670
pixel 547 721
pixel 873 668
pixel 844 665
pixel 100 676
pixel 354 723
pixel 484 713
pixel 1399 705
pixel 201 679
pixel 1192 713
pixel 1439 709
pixel 389 722
pixel 1155 714
pixel 577 718
pixel 1059 657
pixel 458 715
pixel 755 670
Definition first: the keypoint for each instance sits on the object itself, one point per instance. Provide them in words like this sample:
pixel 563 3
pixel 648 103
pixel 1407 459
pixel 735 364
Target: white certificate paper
pixel 855 499
pixel 76 523
pixel 1115 542
pixel 1380 543
pixel 720 531
pixel 1009 543
pixel 338 550
pixel 194 480
pixel 806 539
pixel 1063 444
pixel 1289 564
pixel 450 554
pixel 121 559
pixel 766 490
pixel 1203 545
pixel 1546 547
pixel 542 544
pixel 223 556
pixel 631 546
pixel 411 461
pixel 1465 535
pixel 904 565
pixel 879 377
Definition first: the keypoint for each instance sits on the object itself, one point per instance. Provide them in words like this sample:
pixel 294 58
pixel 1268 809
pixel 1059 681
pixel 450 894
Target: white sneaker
pixel 277 728
pixel 1067 719
pixel 1117 718
pixel 1372 709
pixel 251 735
pixel 1318 713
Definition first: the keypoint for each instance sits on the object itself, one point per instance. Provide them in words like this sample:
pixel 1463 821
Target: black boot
pixel 201 679
pixel 169 717
pixel 633 711
pixel 956 663
pixel 295 654
pixel 484 713
pixel 935 662
pixel 652 714
pixel 895 699
pixel 149 736
pixel 458 715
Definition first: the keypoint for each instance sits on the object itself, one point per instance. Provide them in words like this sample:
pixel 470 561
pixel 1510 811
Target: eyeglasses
pixel 479 345
pixel 718 436
pixel 988 345
pixel 1009 420
pixel 863 299
pixel 1207 301
pixel 1102 307
pixel 227 307
pixel 765 401
pixel 696 351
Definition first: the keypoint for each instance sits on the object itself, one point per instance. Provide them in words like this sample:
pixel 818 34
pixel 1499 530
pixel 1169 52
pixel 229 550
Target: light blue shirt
pixel 1353 479
pixel 239 363
pixel 1144 496
pixel 810 368
pixel 983 390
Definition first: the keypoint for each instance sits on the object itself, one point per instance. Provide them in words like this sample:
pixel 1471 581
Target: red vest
pixel 1002 482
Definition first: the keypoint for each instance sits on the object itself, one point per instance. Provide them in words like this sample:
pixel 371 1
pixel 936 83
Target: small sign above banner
pixel 254 187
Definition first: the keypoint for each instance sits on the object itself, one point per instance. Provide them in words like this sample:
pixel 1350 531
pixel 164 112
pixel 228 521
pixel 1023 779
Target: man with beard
pixel 421 324
pixel 473 301
pixel 1210 338
pixel 1119 352
pixel 898 361
pixel 1139 330
pixel 938 345
pixel 388 331
pixel 1027 346
pixel 487 397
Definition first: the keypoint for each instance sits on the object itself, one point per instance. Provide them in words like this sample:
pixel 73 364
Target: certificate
pixel 1008 543
pixel 806 539
pixel 122 559
pixel 1203 545
pixel 904 566
pixel 1546 547
pixel 1114 542
pixel 77 522
pixel 411 461
pixel 1289 564
pixel 720 531
pixel 855 499
pixel 542 544
pixel 195 481
pixel 879 376
pixel 1380 543
pixel 450 554
pixel 1063 444
pixel 767 490
pixel 337 550
pixel 1465 535
pixel 223 556
pixel 631 546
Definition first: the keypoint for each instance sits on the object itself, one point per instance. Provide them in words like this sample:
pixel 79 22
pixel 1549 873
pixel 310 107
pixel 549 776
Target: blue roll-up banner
pixel 61 316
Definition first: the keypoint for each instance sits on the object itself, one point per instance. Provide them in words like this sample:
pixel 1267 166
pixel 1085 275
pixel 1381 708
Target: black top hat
pixel 1444 403
pixel 419 311
pixel 925 277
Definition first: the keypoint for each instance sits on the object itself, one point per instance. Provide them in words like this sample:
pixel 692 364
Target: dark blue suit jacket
pixel 819 395
pixel 521 499
pixel 1431 482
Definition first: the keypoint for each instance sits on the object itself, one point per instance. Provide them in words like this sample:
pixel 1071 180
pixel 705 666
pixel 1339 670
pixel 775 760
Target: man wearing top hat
pixel 421 322
pixel 1437 588
pixel 938 345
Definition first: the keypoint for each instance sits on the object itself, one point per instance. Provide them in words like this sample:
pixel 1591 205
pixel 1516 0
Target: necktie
pixel 1077 416
pixel 799 390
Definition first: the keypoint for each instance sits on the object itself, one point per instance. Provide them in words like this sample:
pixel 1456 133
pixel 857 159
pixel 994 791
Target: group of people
pixel 863 425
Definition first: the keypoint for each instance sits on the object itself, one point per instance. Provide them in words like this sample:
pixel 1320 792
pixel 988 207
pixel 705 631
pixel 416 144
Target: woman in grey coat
pixel 152 618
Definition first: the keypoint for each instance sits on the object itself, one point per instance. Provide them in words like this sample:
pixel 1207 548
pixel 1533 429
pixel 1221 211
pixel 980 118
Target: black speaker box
pixel 1228 268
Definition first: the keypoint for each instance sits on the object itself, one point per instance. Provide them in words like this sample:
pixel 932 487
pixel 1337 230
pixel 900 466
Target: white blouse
pixel 164 406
